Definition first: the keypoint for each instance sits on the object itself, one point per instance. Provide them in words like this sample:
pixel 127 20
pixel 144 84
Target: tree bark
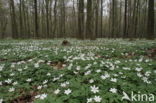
pixel 81 19
pixel 150 26
pixel 36 20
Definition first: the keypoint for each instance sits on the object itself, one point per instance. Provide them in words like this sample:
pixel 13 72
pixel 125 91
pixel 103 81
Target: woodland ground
pixel 43 71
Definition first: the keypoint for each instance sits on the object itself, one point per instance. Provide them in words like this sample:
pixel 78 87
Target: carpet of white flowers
pixel 43 71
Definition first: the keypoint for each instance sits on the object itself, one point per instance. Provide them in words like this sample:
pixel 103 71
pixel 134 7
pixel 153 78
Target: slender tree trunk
pixel 150 26
pixel 13 20
pixel 97 19
pixel 81 19
pixel 36 19
pixel 55 18
pixel 47 17
pixel 101 30
pixel 89 22
pixel 21 21
pixel 62 19
pixel 125 21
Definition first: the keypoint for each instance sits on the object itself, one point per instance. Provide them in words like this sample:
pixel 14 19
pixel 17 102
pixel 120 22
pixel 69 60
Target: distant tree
pixel 101 21
pixel 62 19
pixel 150 26
pixel 36 20
pixel 125 21
pixel 47 16
pixel 97 18
pixel 3 21
pixel 21 19
pixel 81 19
pixel 89 23
pixel 13 20
pixel 55 18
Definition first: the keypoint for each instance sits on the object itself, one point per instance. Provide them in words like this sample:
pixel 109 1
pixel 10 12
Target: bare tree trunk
pixel 125 21
pixel 89 22
pixel 55 18
pixel 97 19
pixel 21 21
pixel 101 33
pixel 81 19
pixel 150 26
pixel 13 20
pixel 47 17
pixel 62 19
pixel 36 19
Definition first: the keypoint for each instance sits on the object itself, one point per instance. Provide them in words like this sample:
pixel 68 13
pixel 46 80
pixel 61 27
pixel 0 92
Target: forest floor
pixel 44 71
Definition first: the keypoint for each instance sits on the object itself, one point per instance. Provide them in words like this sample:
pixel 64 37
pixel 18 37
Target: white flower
pixel 113 90
pixel 75 72
pixel 147 73
pixel 61 75
pixel 11 89
pixel 20 70
pixel 26 67
pixel 1 68
pixel 13 65
pixel 46 81
pixel 94 89
pixel 145 79
pixel 8 81
pixel 15 83
pixel 57 91
pixel 67 92
pixel 112 67
pixel 120 73
pixel 28 80
pixel 64 84
pixel 39 87
pixel 88 72
pixel 12 74
pixel 98 71
pixel 36 65
pixel 41 96
pixel 113 80
pixel 117 62
pixel 67 83
pixel 139 75
pixel 45 85
pixel 147 60
pixel 126 68
pixel 138 69
pixel 97 99
pixel 89 100
pixel 105 76
pixel 78 68
pixel 56 78
pixel 116 75
pixel 41 61
pixel 48 74
pixel 1 100
pixel 91 81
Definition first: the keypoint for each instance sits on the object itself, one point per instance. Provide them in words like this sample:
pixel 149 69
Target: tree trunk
pixel 13 20
pixel 125 21
pixel 89 22
pixel 81 19
pixel 47 17
pixel 150 26
pixel 36 19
